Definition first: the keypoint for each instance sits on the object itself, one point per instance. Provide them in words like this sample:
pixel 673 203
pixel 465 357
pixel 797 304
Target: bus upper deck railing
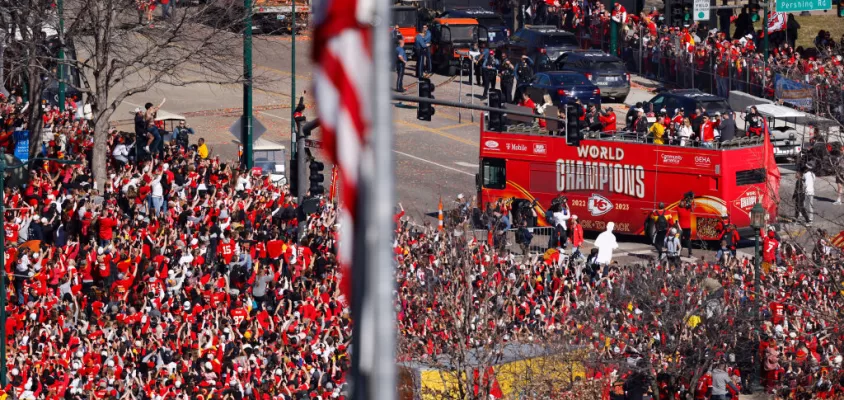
pixel 631 137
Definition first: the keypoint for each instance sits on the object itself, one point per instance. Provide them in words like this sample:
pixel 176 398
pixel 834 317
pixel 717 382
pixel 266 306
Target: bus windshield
pixel 404 18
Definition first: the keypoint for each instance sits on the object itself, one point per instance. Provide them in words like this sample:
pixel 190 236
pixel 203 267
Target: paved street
pixel 433 159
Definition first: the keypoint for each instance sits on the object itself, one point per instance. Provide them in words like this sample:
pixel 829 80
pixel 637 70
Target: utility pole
pixel 765 9
pixel 293 148
pixel 246 136
pixel 613 37
pixel 61 69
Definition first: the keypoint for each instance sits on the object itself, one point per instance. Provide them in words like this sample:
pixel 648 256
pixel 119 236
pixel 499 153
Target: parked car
pixel 563 87
pixel 496 28
pixel 604 70
pixel 687 100
pixel 540 43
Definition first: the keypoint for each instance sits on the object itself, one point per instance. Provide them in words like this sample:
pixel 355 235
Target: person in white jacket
pixel 606 243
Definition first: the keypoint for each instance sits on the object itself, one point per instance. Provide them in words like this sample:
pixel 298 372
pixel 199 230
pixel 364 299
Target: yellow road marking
pixel 438 132
pixel 281 72
pixel 455 126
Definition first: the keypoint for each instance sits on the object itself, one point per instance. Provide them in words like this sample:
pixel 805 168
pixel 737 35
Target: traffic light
pixel 316 178
pixel 840 4
pixel 426 90
pixel 496 119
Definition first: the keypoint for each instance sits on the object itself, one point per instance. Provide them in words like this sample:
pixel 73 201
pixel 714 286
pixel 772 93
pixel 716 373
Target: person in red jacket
pixel 576 232
pixel 608 121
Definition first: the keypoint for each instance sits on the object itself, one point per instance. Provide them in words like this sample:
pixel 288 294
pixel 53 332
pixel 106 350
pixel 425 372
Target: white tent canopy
pixel 776 111
pixel 162 115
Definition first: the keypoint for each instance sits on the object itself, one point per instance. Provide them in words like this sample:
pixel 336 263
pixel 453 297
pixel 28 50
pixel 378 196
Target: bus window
pixel 750 176
pixel 493 173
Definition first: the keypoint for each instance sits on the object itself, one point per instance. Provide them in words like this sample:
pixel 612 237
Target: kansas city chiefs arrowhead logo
pixel 598 205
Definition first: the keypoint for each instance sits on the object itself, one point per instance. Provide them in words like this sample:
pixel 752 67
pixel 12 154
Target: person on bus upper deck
pixel 707 133
pixel 754 122
pixel 608 120
pixel 727 127
pixel 716 121
pixel 526 101
pixel 640 126
pixel 593 119
pixel 685 132
pixel 677 121
pixel 632 113
pixel 657 130
pixel 697 120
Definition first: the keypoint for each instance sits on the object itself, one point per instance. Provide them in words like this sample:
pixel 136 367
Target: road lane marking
pixel 438 132
pixel 274 116
pixel 465 164
pixel 455 126
pixel 432 163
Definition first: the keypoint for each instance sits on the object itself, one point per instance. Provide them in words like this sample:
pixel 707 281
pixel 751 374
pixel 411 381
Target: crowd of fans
pixel 687 320
pixel 179 276
pixel 716 59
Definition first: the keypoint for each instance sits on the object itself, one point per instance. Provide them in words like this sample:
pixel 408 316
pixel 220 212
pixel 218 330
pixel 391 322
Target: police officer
pixel 397 36
pixel 490 70
pixel 507 72
pixel 524 73
pixel 401 60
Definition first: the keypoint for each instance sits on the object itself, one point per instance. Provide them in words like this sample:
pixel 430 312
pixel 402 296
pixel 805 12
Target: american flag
pixel 342 52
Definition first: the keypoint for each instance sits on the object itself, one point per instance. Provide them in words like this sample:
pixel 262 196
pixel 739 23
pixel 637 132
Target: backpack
pixel 549 217
pixel 661 222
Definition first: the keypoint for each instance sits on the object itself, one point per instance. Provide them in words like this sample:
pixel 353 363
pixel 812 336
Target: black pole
pixel 417 99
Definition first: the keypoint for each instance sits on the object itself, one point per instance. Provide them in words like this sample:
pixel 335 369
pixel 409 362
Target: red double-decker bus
pixel 622 178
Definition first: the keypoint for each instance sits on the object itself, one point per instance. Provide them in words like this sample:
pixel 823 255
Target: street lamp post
pixel 3 168
pixel 757 222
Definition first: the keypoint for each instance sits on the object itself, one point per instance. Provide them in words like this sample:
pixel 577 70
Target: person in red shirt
pixel 707 133
pixel 226 249
pixel 107 225
pixel 608 120
pixel 770 246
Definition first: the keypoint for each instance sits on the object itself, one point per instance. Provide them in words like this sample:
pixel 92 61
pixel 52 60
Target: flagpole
pixel 380 369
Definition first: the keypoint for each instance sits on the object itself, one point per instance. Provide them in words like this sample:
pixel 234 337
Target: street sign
pixel 258 129
pixel 316 144
pixel 22 145
pixel 701 10
pixel 803 5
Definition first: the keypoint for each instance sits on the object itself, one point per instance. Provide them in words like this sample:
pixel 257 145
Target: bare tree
pixel 117 56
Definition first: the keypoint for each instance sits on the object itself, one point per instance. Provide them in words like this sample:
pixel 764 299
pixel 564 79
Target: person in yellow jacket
pixel 202 149
pixel 657 130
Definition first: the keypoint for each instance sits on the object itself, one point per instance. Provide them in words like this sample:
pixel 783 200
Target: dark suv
pixel 604 70
pixel 540 42
pixel 687 100
pixel 496 28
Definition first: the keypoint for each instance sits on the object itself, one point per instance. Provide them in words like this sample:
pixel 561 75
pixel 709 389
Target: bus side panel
pixel 605 181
